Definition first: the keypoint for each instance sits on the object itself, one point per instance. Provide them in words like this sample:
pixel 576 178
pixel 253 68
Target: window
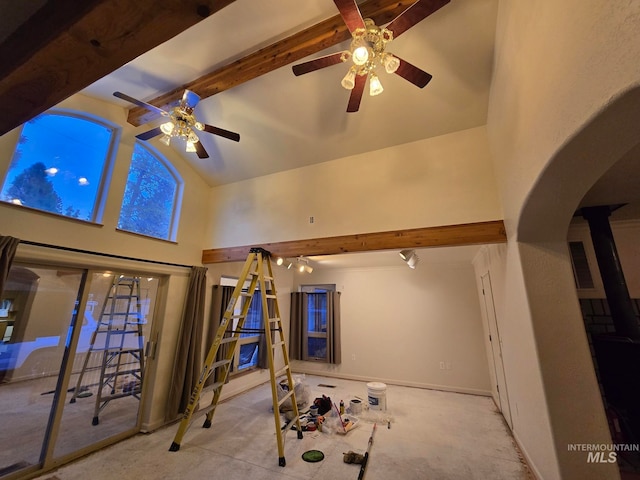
pixel 62 165
pixel 152 196
pixel 317 326
pixel 316 308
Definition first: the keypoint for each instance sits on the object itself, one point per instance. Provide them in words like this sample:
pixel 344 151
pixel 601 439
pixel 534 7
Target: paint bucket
pixel 355 407
pixel 377 395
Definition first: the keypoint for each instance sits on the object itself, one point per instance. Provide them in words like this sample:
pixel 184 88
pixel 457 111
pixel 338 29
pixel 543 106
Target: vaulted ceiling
pixel 238 58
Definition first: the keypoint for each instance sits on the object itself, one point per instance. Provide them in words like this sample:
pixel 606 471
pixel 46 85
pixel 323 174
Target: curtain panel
pixel 188 360
pixel 8 247
pixel 220 300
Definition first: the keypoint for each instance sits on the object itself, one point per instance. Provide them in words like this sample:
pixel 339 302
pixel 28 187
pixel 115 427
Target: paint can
pixel 355 406
pixel 377 395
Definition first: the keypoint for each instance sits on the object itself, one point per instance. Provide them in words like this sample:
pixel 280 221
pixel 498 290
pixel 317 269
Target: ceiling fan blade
pixel 356 93
pixel 189 99
pixel 149 134
pixel 350 14
pixel 140 103
pixel 318 63
pixel 412 73
pixel 414 14
pixel 200 151
pixel 221 132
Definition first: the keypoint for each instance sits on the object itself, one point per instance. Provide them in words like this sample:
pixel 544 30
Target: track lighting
pixel 410 257
pixel 301 264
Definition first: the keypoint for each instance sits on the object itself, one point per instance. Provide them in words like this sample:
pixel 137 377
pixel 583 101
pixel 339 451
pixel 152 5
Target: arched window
pixel 152 197
pixel 62 164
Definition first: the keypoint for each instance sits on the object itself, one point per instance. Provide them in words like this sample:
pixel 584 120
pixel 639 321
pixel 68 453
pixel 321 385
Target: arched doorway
pixel 575 406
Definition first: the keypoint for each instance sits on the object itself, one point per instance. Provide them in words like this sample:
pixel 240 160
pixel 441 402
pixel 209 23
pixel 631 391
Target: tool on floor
pixel 116 348
pixel 352 457
pixel 259 275
pixel 363 467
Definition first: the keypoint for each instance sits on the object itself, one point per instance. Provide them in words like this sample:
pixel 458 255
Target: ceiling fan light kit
pixel 367 50
pixel 181 123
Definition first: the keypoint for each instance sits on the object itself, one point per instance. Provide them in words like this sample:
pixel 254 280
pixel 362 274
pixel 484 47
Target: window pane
pixel 149 202
pixel 317 347
pixel 254 315
pixel 248 355
pixel 58 165
pixel 317 312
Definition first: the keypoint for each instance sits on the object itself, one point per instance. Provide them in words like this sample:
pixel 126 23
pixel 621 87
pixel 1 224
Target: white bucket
pixel 377 395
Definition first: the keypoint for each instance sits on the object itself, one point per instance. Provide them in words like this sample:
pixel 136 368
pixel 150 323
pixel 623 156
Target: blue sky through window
pixel 73 152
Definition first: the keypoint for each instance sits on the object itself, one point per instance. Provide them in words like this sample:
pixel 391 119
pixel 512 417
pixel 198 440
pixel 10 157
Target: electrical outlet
pixel 353 357
pixel 441 365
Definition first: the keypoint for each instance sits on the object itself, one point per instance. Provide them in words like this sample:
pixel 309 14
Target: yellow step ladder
pixel 257 271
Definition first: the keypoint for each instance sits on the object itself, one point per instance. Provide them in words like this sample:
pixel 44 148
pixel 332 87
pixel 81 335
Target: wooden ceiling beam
pixel 444 236
pixel 284 52
pixel 69 44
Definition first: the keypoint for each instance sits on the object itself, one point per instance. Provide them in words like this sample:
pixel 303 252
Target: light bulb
pixel 166 139
pixel 167 128
pixel 360 55
pixel 301 268
pixel 391 63
pixel 191 146
pixel 279 261
pixel 308 269
pixel 375 87
pixel 349 80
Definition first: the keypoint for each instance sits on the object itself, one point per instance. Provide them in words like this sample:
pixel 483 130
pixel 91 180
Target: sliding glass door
pixel 72 361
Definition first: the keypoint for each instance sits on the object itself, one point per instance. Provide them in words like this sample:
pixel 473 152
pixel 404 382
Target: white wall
pixel 439 181
pixel 559 65
pixel 399 324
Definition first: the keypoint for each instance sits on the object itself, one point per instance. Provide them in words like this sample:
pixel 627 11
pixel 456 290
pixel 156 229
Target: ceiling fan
pixel 181 123
pixel 367 49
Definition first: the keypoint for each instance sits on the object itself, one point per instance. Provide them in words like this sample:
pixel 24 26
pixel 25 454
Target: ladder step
pixel 285 398
pixel 219 363
pixel 228 340
pixel 277 344
pixel 213 387
pixel 282 371
pixel 268 295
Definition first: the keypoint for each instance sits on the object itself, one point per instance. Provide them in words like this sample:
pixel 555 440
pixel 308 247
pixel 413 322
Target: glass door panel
pixel 36 310
pixel 107 379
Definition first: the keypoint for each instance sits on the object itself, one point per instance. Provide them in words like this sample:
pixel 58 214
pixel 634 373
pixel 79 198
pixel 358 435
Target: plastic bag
pixel 299 387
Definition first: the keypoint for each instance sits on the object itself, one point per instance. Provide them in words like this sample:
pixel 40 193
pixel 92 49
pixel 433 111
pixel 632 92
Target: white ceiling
pixel 287 122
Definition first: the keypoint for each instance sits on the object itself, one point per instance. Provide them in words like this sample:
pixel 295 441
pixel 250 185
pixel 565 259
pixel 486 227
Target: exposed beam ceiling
pixel 295 47
pixel 449 235
pixel 67 45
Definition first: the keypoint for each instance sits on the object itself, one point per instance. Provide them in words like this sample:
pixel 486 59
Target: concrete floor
pixel 432 435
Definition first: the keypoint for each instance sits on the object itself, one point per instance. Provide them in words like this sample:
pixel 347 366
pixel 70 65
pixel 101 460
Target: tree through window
pixel 152 196
pixel 61 164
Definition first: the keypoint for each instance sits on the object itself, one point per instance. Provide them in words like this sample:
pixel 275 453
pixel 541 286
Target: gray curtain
pixel 8 246
pixel 297 323
pixel 298 338
pixel 188 360
pixel 219 302
pixel 334 346
pixel 263 360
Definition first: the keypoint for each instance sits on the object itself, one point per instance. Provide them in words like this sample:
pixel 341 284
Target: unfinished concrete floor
pixel 432 435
